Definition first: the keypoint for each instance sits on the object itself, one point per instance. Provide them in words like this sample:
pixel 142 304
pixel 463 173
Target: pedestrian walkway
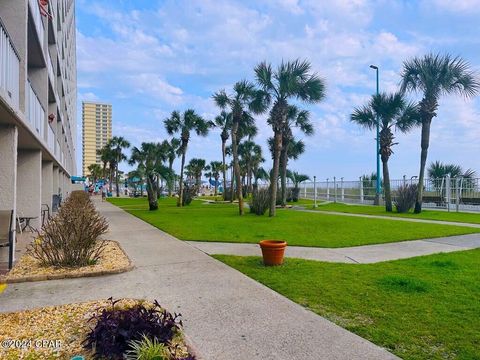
pixel 226 314
pixel 356 254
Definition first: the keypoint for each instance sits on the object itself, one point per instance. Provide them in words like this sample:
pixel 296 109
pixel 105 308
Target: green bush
pixel 260 201
pixel 405 197
pixel 189 192
pixel 147 349
pixel 70 239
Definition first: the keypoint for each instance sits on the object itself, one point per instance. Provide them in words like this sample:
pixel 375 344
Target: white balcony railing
pixel 50 69
pixel 9 68
pixel 37 20
pixel 35 111
pixel 58 151
pixel 50 139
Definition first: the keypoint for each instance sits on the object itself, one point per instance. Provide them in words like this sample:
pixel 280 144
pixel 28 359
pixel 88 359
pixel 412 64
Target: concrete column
pixel 55 182
pixel 8 175
pixel 29 184
pixel 47 183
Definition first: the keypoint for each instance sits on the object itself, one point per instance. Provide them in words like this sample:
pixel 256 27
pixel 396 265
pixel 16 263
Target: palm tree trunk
pixel 277 146
pixel 236 165
pixel 216 182
pixel 171 180
pixel 116 180
pixel 386 185
pixel 423 160
pixel 283 175
pixel 231 184
pixel 224 171
pixel 180 190
pixel 152 194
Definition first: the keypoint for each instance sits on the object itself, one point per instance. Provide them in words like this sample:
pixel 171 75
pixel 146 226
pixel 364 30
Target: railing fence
pixel 452 194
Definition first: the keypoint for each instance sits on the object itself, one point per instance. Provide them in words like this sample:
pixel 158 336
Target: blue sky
pixel 149 58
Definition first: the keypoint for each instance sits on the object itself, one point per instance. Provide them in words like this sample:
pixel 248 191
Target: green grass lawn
pixel 221 222
pixel 421 308
pixel 425 214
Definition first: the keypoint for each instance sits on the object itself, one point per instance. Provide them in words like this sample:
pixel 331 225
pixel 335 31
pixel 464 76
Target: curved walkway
pixel 398 218
pixel 227 315
pixel 357 254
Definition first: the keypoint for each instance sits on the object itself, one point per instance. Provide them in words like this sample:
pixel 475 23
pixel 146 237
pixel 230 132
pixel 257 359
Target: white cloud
pixel 457 6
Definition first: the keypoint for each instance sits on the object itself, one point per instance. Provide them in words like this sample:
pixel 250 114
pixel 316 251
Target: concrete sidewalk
pixel 385 217
pixel 226 314
pixel 356 254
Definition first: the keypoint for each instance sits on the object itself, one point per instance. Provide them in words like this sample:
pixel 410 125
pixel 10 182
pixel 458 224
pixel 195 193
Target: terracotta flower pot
pixel 273 251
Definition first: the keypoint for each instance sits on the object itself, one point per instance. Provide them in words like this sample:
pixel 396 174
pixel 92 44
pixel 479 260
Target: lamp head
pixel 374 67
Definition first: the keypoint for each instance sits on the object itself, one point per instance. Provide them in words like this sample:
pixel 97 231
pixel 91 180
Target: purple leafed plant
pixel 115 328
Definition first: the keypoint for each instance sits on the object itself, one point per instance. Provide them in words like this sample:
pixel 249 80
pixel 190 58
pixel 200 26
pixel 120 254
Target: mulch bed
pixel 112 261
pixel 55 332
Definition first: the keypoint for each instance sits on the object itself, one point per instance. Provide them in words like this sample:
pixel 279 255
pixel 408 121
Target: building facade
pixel 96 131
pixel 37 104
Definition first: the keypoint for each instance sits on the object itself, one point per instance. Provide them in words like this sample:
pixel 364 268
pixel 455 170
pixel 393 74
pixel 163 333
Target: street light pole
pixel 378 191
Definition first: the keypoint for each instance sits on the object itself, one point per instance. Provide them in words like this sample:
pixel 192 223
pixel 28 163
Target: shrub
pixel 78 196
pixel 260 201
pixel 147 349
pixel 189 193
pixel 70 239
pixel 405 198
pixel 115 329
pixel 295 194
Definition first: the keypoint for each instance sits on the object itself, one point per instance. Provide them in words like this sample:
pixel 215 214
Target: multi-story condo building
pixel 97 130
pixel 37 104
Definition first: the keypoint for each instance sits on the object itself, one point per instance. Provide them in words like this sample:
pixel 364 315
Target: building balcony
pixel 37 20
pixel 9 68
pixel 51 73
pixel 35 111
pixel 51 139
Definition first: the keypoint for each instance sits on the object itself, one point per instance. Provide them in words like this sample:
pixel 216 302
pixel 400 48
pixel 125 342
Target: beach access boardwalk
pixel 226 314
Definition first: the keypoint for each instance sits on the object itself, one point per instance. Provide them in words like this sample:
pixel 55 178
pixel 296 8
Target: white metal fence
pixel 9 67
pixel 452 194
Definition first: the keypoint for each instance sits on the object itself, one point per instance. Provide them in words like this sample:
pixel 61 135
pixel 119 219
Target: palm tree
pixel 106 157
pixel 135 177
pixel 438 170
pixel 224 122
pixel 149 159
pixel 196 167
pixel 300 119
pixel 297 179
pixel 251 154
pixel 433 76
pixel 291 80
pixel 172 151
pixel 117 144
pixel 215 168
pixel 243 99
pixel 95 172
pixel 391 111
pixel 185 124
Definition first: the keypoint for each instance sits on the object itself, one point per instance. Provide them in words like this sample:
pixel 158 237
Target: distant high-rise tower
pixel 97 130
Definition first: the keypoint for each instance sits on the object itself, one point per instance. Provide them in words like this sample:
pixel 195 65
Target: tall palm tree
pixel 95 172
pixel 434 75
pixel 106 156
pixel 392 111
pixel 118 144
pixel 299 119
pixel 224 122
pixel 184 124
pixel 215 168
pixel 149 159
pixel 243 99
pixel 196 167
pixel 438 170
pixel 251 154
pixel 291 80
pixel 172 150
